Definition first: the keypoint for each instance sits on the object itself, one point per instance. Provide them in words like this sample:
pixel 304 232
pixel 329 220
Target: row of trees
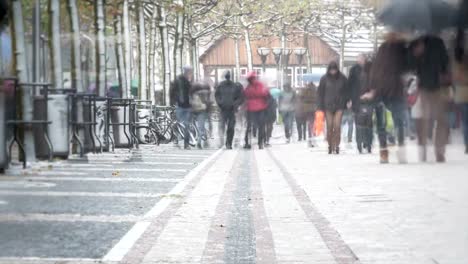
pixel 152 40
pixel 141 45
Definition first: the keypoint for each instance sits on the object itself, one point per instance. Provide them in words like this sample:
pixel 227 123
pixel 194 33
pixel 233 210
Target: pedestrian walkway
pixel 285 204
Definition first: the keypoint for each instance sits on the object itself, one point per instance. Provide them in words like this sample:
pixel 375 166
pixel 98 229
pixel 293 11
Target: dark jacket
pixel 332 91
pixel 180 92
pixel 229 95
pixel 358 81
pixel 200 98
pixel 462 23
pixel 306 101
pixel 388 67
pixel 432 65
pixel 270 112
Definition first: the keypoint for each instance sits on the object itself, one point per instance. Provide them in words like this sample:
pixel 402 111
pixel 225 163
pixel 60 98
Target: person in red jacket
pixel 256 98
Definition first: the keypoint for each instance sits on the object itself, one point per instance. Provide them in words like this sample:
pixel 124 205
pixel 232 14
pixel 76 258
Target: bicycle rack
pixel 19 122
pixel 133 125
pixel 140 105
pixel 126 104
pixel 106 137
pixel 164 112
pixel 90 125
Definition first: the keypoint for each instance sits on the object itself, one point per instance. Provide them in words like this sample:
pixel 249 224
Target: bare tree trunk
pixel 178 44
pixel 152 55
pixel 120 56
pixel 308 54
pixel 248 48
pixel 100 48
pixel 343 42
pixel 54 43
pixel 77 78
pixel 165 53
pixel 126 48
pixel 194 59
pixel 142 91
pixel 237 51
pixel 22 75
pixel 376 37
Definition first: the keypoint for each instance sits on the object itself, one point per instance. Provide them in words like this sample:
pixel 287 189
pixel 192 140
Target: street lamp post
pixel 278 52
pixel 286 54
pixel 263 53
pixel 300 52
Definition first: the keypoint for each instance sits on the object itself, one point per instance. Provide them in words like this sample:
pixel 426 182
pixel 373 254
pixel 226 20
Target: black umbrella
pixel 418 15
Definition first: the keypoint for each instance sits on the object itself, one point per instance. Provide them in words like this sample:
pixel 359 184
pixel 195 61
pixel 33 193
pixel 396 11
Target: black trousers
pixel 228 124
pixel 257 118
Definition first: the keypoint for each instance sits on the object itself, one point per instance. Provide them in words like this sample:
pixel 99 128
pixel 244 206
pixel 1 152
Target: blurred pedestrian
pixel 305 112
pixel 201 103
pixel 431 63
pixel 333 97
pixel 388 90
pixel 256 96
pixel 461 68
pixel 3 14
pixel 287 105
pixel 412 95
pixel 180 98
pixel 229 97
pixel 460 71
pixel 270 115
pixel 358 84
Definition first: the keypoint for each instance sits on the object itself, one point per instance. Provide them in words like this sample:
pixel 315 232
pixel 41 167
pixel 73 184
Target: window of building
pixel 299 81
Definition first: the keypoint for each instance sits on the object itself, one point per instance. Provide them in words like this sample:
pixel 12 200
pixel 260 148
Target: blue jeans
pixel 464 109
pixel 398 109
pixel 184 116
pixel 201 118
pixel 288 120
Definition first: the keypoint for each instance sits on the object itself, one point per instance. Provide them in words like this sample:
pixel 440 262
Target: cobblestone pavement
pixel 285 204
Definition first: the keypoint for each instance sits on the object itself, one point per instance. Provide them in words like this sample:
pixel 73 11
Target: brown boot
pixel 384 156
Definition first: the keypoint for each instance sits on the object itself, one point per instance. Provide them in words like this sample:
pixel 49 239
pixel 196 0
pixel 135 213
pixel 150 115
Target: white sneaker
pixel 401 155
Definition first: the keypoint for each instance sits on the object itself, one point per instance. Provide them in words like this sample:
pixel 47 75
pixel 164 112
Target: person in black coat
pixel 3 13
pixel 363 109
pixel 180 98
pixel 229 97
pixel 431 63
pixel 462 24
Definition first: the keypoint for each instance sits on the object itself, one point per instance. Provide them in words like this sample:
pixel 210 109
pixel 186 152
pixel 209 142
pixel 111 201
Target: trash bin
pixel 59 132
pixel 143 116
pixel 117 116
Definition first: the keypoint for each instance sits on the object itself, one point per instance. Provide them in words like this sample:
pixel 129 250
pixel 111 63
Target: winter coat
pixel 287 101
pixel 200 98
pixel 229 95
pixel 270 111
pixel 256 96
pixel 388 68
pixel 180 92
pixel 332 92
pixel 432 67
pixel 460 71
pixel 306 101
pixel 358 84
